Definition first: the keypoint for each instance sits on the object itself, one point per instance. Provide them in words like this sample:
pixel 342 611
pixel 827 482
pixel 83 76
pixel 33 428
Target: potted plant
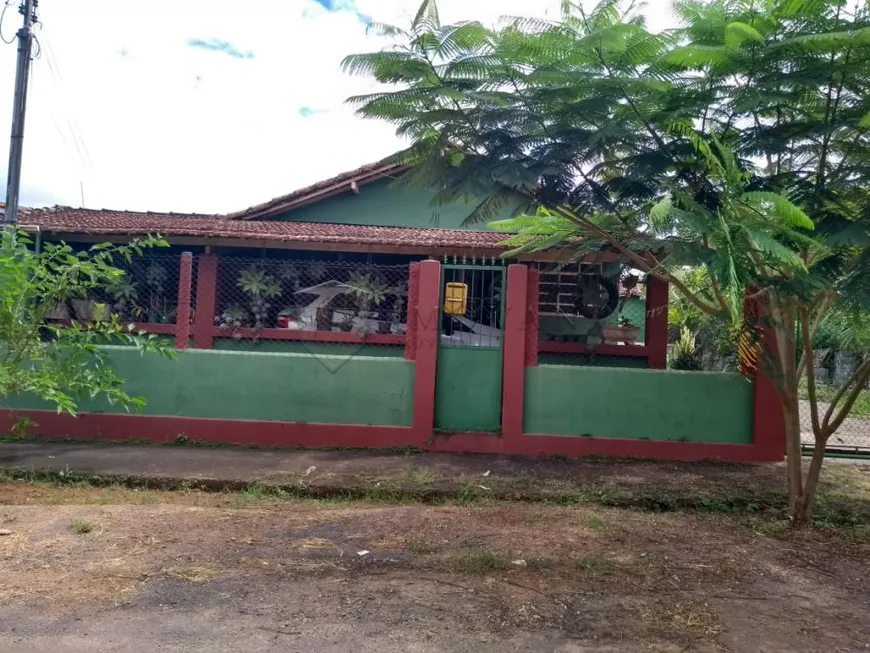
pixel 316 271
pixel 233 317
pixel 289 275
pixel 624 332
pixel 125 293
pixel 260 286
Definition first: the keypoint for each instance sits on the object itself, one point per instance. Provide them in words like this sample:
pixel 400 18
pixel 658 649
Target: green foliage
pixel 367 289
pixel 844 328
pixel 259 283
pixel 233 316
pixel 260 286
pixel 80 526
pixel 685 355
pixel 126 296
pixel 63 364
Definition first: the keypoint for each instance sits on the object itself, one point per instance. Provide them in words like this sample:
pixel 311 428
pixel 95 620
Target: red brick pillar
pixel 656 337
pixel 411 312
pixel 533 295
pixel 182 313
pixel 768 420
pixel 426 315
pixel 206 299
pixel 514 353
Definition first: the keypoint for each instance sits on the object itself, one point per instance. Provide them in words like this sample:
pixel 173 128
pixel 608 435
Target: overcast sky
pixel 203 105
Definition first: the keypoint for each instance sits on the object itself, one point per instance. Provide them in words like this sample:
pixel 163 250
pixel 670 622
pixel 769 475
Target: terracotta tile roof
pixel 89 221
pixel 346 181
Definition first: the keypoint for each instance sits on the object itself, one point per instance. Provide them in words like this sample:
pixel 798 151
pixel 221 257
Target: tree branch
pixel 820 306
pixel 717 292
pixel 643 264
pixel 811 372
pixel 859 378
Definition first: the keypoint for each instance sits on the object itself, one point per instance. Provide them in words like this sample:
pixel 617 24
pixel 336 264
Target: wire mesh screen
pixel 832 370
pixel 472 306
pixel 255 296
pixel 590 305
pixel 147 293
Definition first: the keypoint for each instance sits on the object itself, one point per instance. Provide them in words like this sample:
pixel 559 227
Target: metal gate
pixel 469 369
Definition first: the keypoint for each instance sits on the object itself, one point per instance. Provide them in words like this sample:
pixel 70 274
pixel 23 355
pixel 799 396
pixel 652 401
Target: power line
pixel 6 6
pixel 72 125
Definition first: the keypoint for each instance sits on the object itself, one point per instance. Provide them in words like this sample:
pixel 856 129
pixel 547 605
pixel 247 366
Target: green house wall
pixel 386 204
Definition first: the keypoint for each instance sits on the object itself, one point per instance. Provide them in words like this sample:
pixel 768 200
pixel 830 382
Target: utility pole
pixel 19 106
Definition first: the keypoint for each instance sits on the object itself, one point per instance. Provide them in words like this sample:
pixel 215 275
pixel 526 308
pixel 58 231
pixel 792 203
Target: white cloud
pixel 164 126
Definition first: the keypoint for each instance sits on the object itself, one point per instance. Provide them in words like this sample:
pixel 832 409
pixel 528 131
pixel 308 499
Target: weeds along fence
pixel 261 298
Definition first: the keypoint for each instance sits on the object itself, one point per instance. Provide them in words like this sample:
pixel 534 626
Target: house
pixel 353 312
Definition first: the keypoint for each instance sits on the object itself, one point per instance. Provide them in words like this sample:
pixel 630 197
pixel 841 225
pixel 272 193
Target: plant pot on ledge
pixel 621 334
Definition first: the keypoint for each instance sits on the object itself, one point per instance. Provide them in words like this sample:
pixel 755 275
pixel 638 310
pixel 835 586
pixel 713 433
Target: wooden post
pixel 656 336
pixel 206 299
pixel 514 353
pixel 426 314
pixel 411 312
pixel 182 313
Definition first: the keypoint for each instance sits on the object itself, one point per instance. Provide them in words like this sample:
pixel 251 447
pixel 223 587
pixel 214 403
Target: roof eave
pixel 318 192
pixel 431 251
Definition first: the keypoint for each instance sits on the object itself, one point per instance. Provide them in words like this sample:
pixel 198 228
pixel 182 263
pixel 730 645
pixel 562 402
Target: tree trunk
pixel 793 456
pixel 804 509
pixel 783 360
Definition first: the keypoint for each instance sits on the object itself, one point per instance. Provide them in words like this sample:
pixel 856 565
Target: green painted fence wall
pixel 609 402
pixel 468 389
pixel 313 348
pixel 592 360
pixel 296 387
pixel 383 203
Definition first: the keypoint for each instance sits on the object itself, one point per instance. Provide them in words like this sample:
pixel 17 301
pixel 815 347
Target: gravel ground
pixel 98 570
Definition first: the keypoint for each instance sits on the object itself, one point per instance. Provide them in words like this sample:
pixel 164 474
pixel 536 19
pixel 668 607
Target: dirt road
pixel 95 570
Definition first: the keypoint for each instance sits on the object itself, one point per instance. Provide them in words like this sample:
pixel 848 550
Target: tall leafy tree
pixel 736 142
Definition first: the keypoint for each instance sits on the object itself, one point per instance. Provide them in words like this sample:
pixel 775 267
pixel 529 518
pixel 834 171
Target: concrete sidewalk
pixel 230 464
pixel 368 473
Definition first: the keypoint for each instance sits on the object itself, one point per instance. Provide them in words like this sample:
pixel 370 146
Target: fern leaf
pixel 778 206
pixel 426 18
pixel 737 33
pixel 660 212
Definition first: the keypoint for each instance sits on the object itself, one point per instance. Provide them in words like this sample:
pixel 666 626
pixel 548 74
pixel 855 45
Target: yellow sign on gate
pixel 455 298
